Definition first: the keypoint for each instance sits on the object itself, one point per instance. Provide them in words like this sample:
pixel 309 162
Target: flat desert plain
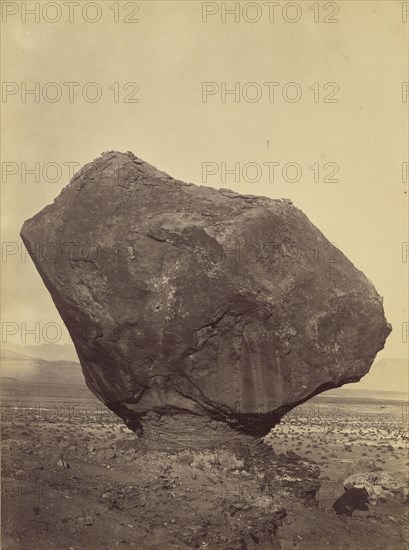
pixel 75 478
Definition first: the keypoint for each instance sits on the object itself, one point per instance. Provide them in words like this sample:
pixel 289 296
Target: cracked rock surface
pixel 198 306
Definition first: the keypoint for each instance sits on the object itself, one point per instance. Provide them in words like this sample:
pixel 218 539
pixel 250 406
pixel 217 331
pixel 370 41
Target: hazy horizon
pixel 363 132
pixel 395 370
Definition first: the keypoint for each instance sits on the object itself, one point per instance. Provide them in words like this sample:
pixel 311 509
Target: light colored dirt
pixel 114 494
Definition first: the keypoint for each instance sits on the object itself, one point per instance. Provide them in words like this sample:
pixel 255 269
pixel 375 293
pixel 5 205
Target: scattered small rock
pixel 62 463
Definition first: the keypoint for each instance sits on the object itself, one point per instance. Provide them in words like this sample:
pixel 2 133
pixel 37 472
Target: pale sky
pixel 163 61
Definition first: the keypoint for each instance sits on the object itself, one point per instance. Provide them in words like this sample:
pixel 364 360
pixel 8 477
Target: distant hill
pixel 348 393
pixel 49 352
pixel 37 370
pixel 388 378
pixel 388 374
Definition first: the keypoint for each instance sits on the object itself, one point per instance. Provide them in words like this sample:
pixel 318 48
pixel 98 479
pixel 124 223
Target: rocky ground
pixel 74 478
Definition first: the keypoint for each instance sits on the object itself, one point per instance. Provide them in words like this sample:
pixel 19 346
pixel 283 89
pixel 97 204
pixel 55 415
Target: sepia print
pixel 204 275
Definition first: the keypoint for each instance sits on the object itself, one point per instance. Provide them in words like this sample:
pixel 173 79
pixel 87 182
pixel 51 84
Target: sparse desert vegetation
pixel 71 466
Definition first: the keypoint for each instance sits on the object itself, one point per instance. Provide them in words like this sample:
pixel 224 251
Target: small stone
pixel 62 463
pixel 228 461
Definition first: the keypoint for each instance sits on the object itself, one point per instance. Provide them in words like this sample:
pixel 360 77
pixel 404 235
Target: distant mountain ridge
pixel 9 355
pixel 388 378
pixel 24 368
pixel 48 352
pixel 387 374
pixel 352 393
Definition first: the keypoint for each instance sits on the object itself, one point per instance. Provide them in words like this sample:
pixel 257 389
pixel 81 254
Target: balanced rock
pixel 200 305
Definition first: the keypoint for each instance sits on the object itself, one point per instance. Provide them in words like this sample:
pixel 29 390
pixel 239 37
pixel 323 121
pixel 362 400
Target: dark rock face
pixel 186 299
pixel 353 499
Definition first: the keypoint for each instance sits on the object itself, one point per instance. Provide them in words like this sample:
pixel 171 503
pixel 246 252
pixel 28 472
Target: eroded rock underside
pixel 200 310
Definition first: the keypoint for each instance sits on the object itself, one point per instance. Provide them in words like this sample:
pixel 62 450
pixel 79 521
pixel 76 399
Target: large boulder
pixel 183 299
pixel 380 486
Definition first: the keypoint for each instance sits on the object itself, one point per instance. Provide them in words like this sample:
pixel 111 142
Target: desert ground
pixel 75 478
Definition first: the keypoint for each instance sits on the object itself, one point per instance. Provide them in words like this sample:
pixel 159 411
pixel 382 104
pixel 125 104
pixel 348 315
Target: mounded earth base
pixel 188 431
pixel 194 435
